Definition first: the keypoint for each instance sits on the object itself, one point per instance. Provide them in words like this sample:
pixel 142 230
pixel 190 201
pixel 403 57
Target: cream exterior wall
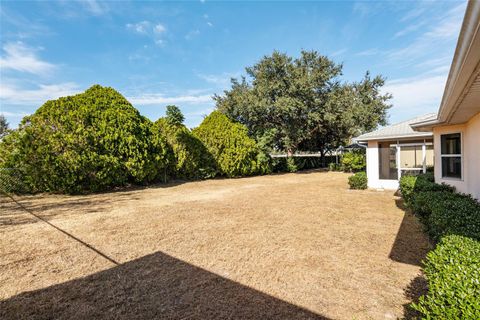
pixel 470 182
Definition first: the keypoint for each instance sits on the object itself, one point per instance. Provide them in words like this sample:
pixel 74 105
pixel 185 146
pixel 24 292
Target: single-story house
pixel 397 150
pixel 456 129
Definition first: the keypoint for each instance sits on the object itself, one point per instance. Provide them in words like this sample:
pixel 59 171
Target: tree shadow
pixel 411 245
pixel 155 286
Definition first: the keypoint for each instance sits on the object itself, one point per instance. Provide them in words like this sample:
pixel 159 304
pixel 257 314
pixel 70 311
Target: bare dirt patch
pixel 298 246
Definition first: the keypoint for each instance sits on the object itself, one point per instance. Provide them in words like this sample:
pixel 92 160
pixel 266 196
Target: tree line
pixel 97 140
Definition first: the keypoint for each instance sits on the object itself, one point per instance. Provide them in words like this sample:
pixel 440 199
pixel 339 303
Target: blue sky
pixel 160 53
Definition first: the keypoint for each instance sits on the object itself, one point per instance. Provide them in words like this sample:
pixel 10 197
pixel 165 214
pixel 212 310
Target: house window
pixel 451 153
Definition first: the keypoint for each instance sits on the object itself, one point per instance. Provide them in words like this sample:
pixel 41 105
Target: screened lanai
pixel 397 150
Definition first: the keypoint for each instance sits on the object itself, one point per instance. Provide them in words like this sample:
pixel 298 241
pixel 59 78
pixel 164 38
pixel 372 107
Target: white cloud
pixel 95 7
pixel 192 34
pixel 142 27
pixel 12 94
pixel 221 80
pixel 417 95
pixel 338 52
pixel 410 28
pixel 13 114
pixel 209 24
pixel 158 98
pixel 159 28
pixel 149 29
pixel 368 52
pixel 412 14
pixel 432 41
pixel 19 57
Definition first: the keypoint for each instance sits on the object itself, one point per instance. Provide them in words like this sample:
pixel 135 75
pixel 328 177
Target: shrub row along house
pixel 448 140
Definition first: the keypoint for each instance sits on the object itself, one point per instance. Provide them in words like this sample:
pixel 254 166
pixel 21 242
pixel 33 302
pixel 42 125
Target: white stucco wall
pixel 470 182
pixel 372 170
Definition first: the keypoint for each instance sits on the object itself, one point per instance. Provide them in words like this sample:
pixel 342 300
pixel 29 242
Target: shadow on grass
pixel 416 288
pixel 156 286
pixel 411 244
pixel 14 208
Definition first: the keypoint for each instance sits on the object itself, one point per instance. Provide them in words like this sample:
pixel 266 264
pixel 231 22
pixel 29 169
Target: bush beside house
pixel 453 267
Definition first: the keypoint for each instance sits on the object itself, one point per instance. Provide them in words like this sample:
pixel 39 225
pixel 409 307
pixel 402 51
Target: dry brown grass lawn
pixel 290 246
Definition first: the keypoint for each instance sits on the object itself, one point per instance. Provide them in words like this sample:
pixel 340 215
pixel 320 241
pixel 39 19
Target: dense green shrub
pixel 410 186
pixel 354 161
pixel 453 213
pixel 88 142
pixel 453 274
pixel 332 166
pixel 191 160
pixel 293 164
pixel 358 181
pixel 453 268
pixel 235 153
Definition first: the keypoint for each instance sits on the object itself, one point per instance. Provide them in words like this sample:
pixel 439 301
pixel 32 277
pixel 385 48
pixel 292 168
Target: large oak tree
pixel 301 104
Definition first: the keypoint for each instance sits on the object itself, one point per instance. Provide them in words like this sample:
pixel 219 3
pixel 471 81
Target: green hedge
pixel 453 268
pixel 235 153
pixel 453 273
pixel 442 210
pixel 192 160
pixel 358 181
pixel 410 186
pixel 92 141
pixel 293 164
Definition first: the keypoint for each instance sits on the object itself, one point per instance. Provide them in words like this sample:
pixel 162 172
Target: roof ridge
pixel 424 115
pixel 402 128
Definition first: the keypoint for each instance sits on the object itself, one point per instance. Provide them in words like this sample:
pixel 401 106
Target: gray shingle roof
pixel 398 130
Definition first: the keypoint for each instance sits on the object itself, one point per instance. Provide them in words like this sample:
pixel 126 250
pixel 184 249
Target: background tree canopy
pixel 3 125
pixel 300 104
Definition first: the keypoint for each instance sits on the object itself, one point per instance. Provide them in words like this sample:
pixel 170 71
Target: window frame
pixel 456 155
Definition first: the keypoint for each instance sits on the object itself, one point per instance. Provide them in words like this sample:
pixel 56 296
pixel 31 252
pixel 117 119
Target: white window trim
pixel 460 155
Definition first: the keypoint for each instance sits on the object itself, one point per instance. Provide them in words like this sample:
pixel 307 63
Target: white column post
pixel 424 156
pixel 399 170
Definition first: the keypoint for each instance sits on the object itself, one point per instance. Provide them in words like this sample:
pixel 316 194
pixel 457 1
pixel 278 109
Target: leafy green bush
pixel 332 166
pixel 191 160
pixel 235 153
pixel 88 142
pixel 453 273
pixel 293 164
pixel 453 268
pixel 358 181
pixel 453 213
pixel 410 186
pixel 441 209
pixel 354 161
